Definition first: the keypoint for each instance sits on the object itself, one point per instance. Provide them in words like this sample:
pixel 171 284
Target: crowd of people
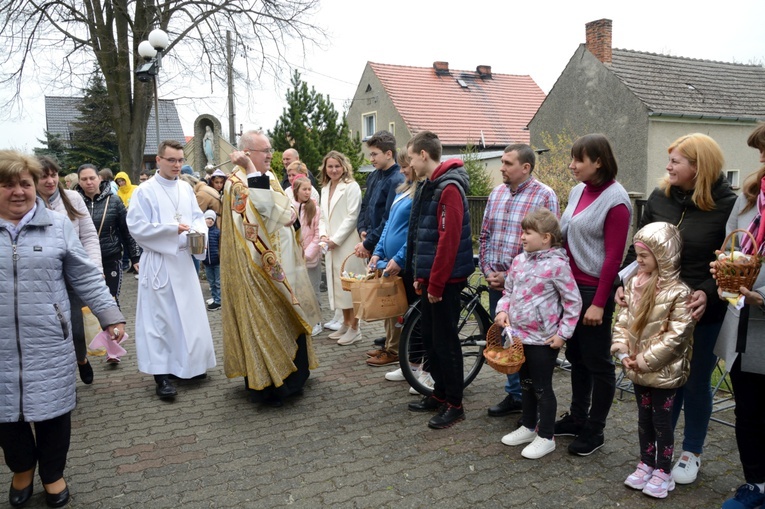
pixel 557 279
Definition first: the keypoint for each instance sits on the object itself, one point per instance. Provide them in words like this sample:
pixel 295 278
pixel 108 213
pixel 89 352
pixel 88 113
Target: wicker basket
pixel 505 360
pixel 346 282
pixel 732 276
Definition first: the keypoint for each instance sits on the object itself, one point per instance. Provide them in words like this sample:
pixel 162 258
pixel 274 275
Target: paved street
pixel 348 442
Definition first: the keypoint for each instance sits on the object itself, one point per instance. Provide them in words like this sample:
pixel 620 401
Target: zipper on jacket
pixel 62 321
pixel 15 258
pixel 443 218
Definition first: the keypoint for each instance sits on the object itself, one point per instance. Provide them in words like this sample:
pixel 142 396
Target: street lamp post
pixel 151 52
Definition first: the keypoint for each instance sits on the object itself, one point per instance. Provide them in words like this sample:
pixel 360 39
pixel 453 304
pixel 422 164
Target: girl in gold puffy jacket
pixel 652 337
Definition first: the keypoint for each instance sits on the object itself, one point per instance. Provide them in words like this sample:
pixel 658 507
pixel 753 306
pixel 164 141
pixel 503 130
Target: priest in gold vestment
pixel 268 301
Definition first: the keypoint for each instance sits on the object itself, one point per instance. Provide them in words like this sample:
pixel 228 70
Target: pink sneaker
pixel 660 485
pixel 638 479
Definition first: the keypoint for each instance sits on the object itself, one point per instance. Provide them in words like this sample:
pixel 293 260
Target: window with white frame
pixel 733 178
pixel 369 125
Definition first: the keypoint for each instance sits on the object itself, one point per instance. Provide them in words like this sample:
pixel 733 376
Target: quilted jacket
pixel 663 350
pixel 37 360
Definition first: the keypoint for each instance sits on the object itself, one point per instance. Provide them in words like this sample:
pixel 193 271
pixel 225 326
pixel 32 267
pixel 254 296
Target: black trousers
pixel 47 447
pixel 538 395
pixel 593 381
pixel 442 343
pixel 749 391
pixel 655 430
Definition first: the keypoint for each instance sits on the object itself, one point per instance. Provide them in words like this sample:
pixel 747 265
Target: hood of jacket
pixel 452 170
pixel 666 244
pixel 125 191
pixel 720 188
pixel 104 190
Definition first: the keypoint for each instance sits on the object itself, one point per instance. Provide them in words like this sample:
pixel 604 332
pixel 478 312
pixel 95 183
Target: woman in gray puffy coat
pixel 39 249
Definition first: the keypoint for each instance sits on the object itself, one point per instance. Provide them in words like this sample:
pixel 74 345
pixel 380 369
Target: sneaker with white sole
pixel 659 485
pixel 522 435
pixel 538 448
pixel 686 469
pixel 398 375
pixel 317 329
pixel 209 301
pixel 350 337
pixel 426 380
pixel 748 496
pixel 333 325
pixel 640 477
pixel 339 332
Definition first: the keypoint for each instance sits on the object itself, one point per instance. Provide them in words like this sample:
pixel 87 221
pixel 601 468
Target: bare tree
pixel 53 40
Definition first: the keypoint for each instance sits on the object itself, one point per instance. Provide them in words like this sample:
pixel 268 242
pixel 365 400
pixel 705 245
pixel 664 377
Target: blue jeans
pixel 513 384
pixel 213 278
pixel 697 391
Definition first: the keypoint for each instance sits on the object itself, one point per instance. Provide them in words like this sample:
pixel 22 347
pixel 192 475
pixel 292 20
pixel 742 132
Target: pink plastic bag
pixel 103 340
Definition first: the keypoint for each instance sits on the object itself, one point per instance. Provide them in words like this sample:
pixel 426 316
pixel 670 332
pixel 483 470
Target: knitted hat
pixel 187 170
pixel 218 173
pixel 210 214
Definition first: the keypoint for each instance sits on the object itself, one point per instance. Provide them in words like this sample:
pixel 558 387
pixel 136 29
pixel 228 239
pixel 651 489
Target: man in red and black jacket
pixel 440 250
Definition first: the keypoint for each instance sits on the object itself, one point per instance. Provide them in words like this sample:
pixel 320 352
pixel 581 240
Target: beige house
pixel 483 108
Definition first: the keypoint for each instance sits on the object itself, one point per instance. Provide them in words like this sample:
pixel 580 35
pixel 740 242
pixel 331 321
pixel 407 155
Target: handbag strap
pixel 103 216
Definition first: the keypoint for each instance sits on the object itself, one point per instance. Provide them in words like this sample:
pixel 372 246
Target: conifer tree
pixel 311 125
pixel 93 137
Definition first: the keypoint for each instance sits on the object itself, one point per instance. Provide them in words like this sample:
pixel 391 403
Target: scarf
pixel 757 226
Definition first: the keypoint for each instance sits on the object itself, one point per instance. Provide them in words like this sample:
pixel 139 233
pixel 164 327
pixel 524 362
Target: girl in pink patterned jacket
pixel 541 306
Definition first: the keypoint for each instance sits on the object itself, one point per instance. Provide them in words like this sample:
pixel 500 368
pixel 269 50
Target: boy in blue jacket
pixel 212 261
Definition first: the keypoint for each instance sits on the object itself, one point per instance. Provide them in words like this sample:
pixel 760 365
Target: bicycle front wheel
pixel 473 324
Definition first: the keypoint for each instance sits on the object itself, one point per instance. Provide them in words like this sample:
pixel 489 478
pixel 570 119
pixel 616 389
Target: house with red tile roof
pixel 645 101
pixel 487 109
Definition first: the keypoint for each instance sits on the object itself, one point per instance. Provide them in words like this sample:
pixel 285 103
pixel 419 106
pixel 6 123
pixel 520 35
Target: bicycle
pixel 473 324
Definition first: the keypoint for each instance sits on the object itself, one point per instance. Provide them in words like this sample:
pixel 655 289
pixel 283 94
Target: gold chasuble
pixel 268 300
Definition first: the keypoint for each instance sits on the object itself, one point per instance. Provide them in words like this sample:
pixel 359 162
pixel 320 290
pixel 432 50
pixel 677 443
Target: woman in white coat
pixel 340 205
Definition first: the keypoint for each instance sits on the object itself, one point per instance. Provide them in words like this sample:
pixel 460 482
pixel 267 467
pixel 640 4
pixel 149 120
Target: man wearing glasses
pixel 268 302
pixel 173 336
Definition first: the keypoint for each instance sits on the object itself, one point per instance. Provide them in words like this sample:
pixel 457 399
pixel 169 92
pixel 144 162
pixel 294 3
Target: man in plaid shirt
pixel 500 239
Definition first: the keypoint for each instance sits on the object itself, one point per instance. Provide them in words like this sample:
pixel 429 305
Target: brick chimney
pixel 484 71
pixel 599 39
pixel 441 68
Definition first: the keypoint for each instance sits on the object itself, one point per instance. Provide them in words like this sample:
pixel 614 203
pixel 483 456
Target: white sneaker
pixel 333 325
pixel 522 435
pixel 317 329
pixel 339 332
pixel 426 380
pixel 210 301
pixel 350 337
pixel 538 448
pixel 398 375
pixel 686 469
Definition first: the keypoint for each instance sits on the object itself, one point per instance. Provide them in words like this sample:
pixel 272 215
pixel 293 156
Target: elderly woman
pixel 40 250
pixel 696 197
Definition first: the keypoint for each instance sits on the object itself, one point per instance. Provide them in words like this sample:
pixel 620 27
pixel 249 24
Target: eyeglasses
pixel 173 160
pixel 268 150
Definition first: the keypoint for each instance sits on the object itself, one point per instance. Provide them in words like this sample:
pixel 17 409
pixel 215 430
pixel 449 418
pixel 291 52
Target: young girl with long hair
pixel 541 304
pixel 652 337
pixel 309 214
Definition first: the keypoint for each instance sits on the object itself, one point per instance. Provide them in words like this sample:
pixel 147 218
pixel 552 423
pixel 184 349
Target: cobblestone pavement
pixel 348 442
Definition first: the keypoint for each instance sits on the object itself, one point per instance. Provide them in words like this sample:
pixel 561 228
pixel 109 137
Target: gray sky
pixel 534 38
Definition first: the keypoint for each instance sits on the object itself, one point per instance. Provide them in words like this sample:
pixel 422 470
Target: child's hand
pixel 630 363
pixel 502 319
pixel 555 342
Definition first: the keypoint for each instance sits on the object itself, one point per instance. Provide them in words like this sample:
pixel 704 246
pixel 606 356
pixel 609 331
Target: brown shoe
pixel 374 353
pixel 384 358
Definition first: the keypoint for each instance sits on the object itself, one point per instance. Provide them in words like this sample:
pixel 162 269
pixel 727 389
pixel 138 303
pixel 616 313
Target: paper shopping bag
pixel 380 298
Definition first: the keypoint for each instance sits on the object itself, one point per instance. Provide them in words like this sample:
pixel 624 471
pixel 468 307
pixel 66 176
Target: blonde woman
pixel 340 205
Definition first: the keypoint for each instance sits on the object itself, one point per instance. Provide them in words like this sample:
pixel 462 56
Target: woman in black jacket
pixel 695 197
pixel 108 214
